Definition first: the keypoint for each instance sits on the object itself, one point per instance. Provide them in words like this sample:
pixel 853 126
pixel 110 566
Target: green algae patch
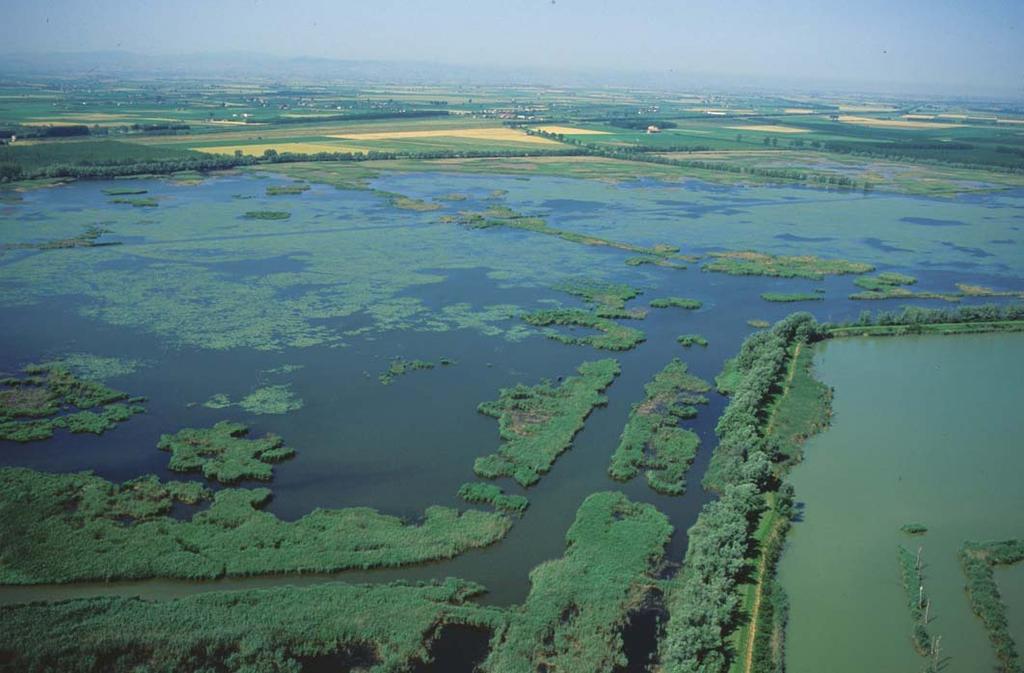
pixel 400 366
pixel 537 423
pixel 61 528
pixel 50 396
pixel 676 302
pixel 612 335
pixel 374 627
pixel 573 618
pixel 751 263
pixel 287 190
pixel 274 399
pixel 97 367
pixel 789 297
pixel 224 452
pixel 481 493
pixel 267 215
pixel 652 439
pixel 687 340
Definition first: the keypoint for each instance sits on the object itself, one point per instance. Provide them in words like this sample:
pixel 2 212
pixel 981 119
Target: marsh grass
pixel 537 423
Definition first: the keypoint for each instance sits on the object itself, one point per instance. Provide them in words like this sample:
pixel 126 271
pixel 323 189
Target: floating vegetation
pixel 97 367
pixel 124 191
pixel 267 215
pixel 537 423
pixel 224 452
pixel 761 264
pixel 612 337
pixel 401 366
pixel 87 239
pixel 287 190
pixel 784 297
pixel 408 203
pixel 676 302
pixel 50 396
pixel 687 340
pixel 652 439
pixel 275 399
pixel 374 627
pixel 578 605
pixel 61 528
pixel 917 600
pixel 496 194
pixel 141 202
pixel 454 196
pixel 479 492
pixel 914 528
pixel 977 559
pixel 758 323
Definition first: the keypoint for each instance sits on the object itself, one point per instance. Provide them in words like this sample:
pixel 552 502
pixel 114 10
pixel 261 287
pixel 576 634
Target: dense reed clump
pixel 224 453
pixel 573 618
pixel 652 439
pixel 762 264
pixel 479 492
pixel 977 559
pixel 50 396
pixel 537 423
pixel 79 527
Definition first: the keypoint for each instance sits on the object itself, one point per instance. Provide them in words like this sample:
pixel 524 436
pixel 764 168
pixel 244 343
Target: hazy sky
pixel 954 44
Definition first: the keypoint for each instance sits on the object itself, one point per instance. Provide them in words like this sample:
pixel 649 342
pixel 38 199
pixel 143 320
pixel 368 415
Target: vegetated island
pixel 62 528
pixel 676 302
pixel 482 493
pixel 661 254
pixel 49 396
pixel 918 603
pixel 401 366
pixel 978 560
pixel 224 453
pixel 787 297
pixel 287 190
pixel 86 239
pixel 687 340
pixel 267 215
pixel 615 550
pixel 652 439
pixel 273 399
pixel 537 423
pixel 139 202
pixel 890 285
pixel 751 263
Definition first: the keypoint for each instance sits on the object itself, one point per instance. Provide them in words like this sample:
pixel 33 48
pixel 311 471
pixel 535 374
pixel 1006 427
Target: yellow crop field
pixel 258 150
pixel 494 133
pixel 570 131
pixel 895 123
pixel 768 128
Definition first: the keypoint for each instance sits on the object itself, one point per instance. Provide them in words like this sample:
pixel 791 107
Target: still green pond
pixel 925 429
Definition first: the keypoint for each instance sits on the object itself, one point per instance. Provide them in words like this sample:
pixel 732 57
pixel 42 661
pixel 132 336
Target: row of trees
pixel 704 601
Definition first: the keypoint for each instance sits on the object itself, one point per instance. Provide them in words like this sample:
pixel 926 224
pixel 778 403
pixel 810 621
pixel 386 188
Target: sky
pixel 954 46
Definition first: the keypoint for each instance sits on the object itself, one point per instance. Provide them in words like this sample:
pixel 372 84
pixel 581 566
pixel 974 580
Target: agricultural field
pixel 523 377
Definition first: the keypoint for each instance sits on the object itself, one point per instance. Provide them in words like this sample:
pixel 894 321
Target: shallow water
pixel 212 302
pixel 926 429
